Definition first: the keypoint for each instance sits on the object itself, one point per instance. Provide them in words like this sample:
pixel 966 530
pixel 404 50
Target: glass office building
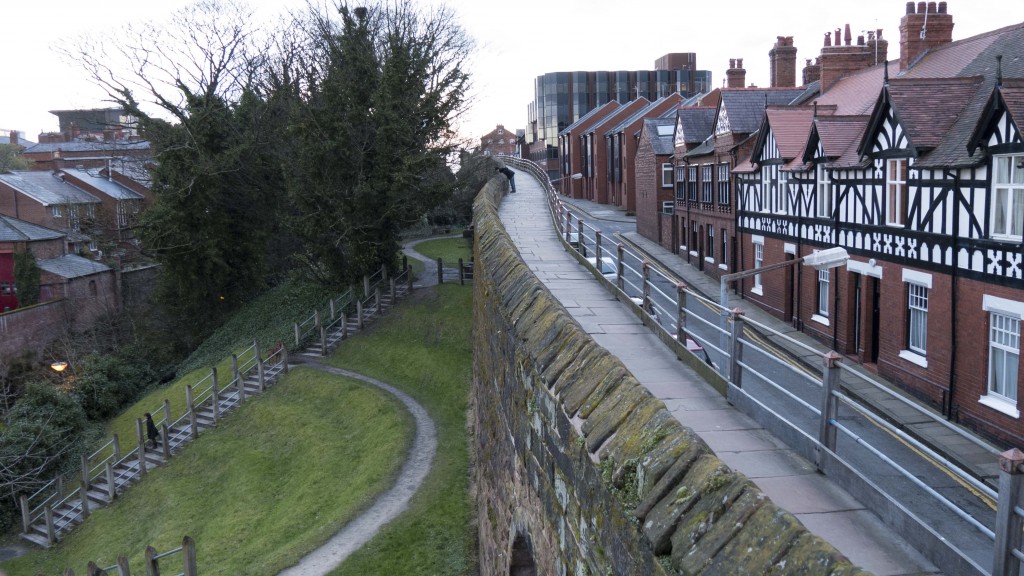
pixel 562 98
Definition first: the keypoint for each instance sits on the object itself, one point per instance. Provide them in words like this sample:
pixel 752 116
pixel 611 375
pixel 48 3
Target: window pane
pixel 1017 214
pixel 1000 212
pixel 1002 170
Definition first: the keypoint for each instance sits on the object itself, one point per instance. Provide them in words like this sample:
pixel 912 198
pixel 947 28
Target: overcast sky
pixel 517 41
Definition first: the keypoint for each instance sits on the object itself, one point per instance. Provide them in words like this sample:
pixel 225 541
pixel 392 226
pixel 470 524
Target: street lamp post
pixel 59 368
pixel 821 260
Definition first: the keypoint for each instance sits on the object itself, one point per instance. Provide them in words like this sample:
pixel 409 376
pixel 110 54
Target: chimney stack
pixel 14 137
pixel 736 76
pixel 838 60
pixel 812 72
pixel 783 63
pixel 921 30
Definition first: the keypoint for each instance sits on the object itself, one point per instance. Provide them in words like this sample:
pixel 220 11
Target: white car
pixel 608 267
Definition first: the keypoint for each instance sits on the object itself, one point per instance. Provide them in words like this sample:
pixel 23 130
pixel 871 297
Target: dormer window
pixel 1008 197
pixel 896 191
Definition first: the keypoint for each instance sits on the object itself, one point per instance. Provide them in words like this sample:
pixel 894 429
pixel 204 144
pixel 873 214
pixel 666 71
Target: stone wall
pixel 579 470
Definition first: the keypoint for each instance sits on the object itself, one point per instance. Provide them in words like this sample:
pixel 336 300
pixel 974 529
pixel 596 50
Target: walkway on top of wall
pixel 789 480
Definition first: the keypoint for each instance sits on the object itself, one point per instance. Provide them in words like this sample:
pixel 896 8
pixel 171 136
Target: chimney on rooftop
pixel 812 72
pixel 838 60
pixel 921 30
pixel 14 137
pixel 736 76
pixel 783 63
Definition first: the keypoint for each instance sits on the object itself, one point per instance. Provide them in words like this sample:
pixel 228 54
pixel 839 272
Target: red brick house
pixel 571 154
pixel 498 142
pixel 621 143
pixel 655 181
pixel 596 153
pixel 47 199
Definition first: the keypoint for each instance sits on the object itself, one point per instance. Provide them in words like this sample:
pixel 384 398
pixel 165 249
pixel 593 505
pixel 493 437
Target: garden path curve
pixel 388 505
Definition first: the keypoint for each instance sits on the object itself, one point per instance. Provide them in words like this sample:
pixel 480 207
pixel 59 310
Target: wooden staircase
pixel 48 519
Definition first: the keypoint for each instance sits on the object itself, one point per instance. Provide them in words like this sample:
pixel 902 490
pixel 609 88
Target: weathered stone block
pixel 575 395
pixel 695 559
pixel 610 414
pixel 707 476
pixel 693 448
pixel 811 556
pixel 711 507
pixel 759 545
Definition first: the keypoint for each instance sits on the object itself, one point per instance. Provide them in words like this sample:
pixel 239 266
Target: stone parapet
pixel 579 470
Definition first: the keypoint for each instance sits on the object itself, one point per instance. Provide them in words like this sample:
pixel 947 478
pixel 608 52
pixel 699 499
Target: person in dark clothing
pixel 151 430
pixel 510 175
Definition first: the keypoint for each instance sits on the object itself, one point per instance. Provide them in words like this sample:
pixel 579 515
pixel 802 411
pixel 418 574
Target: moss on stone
pixel 694 559
pixel 759 545
pixel 811 556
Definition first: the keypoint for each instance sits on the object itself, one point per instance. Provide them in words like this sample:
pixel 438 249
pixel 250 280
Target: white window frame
pixel 691 183
pixel 896 171
pixel 707 183
pixel 1008 190
pixel 917 318
pixel 723 184
pixel 55 210
pixel 710 254
pixel 758 242
pixel 824 185
pixel 824 282
pixel 667 173
pixel 781 192
pixel 1004 320
pixel 724 259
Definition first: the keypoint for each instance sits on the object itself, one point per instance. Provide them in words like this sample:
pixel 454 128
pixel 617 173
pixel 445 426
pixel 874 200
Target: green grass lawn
pixel 449 250
pixel 424 349
pixel 273 481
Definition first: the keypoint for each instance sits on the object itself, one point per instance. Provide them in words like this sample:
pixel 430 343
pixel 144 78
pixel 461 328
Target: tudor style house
pixel 916 168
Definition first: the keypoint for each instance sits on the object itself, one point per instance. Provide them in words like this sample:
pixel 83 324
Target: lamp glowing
pixel 59 367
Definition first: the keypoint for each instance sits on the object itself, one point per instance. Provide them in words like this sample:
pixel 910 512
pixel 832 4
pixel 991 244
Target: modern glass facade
pixel 562 98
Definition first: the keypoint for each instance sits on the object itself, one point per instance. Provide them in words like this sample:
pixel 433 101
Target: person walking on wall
pixel 151 430
pixel 510 175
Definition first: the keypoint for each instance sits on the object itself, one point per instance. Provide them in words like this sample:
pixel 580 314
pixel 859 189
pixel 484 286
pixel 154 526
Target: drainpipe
pixel 951 389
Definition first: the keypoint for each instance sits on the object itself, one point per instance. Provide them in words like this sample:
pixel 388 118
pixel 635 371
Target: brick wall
pixel 31 329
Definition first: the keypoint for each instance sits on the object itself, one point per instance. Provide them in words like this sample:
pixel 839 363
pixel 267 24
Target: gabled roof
pixel 661 139
pixel 706 147
pixel 631 106
pixel 104 185
pixel 839 137
pixel 970 57
pixel 45 188
pixel 697 123
pixel 926 107
pixel 15 230
pixel 648 110
pixel 1007 98
pixel 856 93
pixel 600 110
pixel 744 107
pixel 791 128
pixel 72 266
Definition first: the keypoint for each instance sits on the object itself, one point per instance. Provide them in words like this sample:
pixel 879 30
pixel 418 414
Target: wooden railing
pixel 59 505
pixel 187 552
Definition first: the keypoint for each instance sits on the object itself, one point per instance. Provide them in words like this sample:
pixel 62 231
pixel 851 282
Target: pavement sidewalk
pixel 979 461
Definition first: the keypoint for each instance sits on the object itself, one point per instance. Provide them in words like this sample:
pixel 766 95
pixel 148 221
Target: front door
pixel 8 299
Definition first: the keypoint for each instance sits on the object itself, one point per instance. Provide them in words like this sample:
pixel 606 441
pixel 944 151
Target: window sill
pixel 759 290
pixel 723 266
pixel 1013 239
pixel 821 319
pixel 914 357
pixel 709 260
pixel 694 253
pixel 1000 404
pixel 683 249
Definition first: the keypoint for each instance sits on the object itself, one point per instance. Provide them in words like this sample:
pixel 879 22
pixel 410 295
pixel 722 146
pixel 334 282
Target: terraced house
pixel 916 168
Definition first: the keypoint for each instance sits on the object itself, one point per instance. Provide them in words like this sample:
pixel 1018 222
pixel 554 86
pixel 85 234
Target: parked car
pixel 608 267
